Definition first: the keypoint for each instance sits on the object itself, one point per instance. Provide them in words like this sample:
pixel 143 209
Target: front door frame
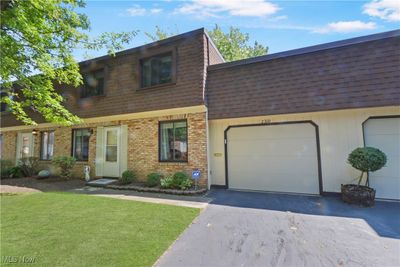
pixel 118 162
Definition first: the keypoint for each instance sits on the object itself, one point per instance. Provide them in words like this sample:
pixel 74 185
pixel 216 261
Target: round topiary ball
pixel 367 159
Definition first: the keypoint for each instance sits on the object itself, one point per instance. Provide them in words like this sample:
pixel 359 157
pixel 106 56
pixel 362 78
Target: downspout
pixel 207 126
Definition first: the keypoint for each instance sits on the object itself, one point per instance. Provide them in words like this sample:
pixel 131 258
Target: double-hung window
pixel 80 144
pixel 47 145
pixel 156 70
pixel 93 84
pixel 173 141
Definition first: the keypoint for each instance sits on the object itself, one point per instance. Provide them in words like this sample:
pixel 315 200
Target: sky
pixel 281 25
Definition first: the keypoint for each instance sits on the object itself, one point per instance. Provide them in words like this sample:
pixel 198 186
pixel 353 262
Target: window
pixel 47 145
pixel 156 70
pixel 93 84
pixel 80 145
pixel 173 141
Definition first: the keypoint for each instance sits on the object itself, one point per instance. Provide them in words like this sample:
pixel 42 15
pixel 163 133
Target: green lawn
pixel 60 229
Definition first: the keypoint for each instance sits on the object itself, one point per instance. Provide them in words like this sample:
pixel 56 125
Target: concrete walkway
pixel 199 202
pixel 228 234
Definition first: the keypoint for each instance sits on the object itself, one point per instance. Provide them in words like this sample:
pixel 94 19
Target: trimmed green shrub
pixel 65 163
pixel 366 159
pixel 29 166
pixel 178 178
pixel 153 179
pixel 127 177
pixel 5 167
pixel 166 182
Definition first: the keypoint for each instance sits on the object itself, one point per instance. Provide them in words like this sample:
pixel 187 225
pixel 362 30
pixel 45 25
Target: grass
pixel 60 229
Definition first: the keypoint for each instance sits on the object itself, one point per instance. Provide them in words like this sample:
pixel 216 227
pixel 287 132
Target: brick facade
pixel 143 145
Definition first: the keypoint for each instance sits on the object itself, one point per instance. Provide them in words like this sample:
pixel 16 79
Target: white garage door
pixel 384 133
pixel 281 158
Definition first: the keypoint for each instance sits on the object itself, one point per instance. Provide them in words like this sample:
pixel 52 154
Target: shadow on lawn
pixel 384 217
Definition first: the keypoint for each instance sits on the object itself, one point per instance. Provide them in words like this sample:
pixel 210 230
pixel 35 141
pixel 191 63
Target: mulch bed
pixel 141 188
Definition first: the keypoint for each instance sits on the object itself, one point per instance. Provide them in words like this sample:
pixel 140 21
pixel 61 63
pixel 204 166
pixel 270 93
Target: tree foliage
pixel 366 159
pixel 160 34
pixel 37 41
pixel 233 45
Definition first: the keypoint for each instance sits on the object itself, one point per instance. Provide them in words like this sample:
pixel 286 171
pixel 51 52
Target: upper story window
pixel 156 70
pixel 93 84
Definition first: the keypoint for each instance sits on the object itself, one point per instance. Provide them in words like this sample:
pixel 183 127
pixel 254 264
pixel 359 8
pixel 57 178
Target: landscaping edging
pixel 157 190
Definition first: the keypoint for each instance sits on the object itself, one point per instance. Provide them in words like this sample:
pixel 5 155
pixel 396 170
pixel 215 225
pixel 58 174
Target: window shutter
pixel 123 149
pixel 99 151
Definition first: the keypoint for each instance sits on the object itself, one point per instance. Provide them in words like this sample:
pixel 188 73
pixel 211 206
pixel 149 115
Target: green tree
pixel 37 41
pixel 160 34
pixel 234 45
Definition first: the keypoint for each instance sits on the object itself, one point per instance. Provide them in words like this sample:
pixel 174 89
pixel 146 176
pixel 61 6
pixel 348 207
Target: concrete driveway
pixel 262 229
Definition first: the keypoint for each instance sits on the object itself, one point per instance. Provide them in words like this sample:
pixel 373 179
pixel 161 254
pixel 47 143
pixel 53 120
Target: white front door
pixel 24 145
pixel 111 151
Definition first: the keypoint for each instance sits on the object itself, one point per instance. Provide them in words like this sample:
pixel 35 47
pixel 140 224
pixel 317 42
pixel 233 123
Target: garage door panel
pixel 384 134
pixel 389 144
pixel 300 147
pixel 279 158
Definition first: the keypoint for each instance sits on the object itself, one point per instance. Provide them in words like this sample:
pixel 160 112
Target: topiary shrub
pixel 153 179
pixel 65 163
pixel 366 159
pixel 29 166
pixel 127 177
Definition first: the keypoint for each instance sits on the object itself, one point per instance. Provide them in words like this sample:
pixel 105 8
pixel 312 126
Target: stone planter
pixel 358 195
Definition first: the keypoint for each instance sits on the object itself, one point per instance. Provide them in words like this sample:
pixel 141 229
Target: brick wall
pixel 142 146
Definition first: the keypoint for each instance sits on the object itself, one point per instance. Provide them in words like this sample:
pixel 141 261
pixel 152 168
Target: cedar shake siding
pixel 122 91
pixel 355 73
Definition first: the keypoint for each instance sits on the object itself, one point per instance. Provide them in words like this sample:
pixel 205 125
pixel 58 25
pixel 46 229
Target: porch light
pixel 34 132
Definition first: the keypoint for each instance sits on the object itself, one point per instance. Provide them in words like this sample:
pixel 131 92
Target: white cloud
pixel 212 8
pixel 384 9
pixel 155 10
pixel 346 26
pixel 136 10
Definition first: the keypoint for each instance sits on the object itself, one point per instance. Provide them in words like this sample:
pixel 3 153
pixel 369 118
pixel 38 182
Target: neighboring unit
pixel 284 122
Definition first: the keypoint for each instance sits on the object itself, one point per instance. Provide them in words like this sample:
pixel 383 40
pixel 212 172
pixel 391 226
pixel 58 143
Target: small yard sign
pixel 196 174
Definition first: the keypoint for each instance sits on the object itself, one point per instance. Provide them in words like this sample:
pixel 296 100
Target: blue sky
pixel 280 25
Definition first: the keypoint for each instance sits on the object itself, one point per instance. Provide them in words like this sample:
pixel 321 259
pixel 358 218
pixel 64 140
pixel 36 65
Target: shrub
pixel 166 182
pixel 15 172
pixel 127 177
pixel 186 184
pixel 29 166
pixel 178 178
pixel 153 179
pixel 366 159
pixel 65 163
pixel 5 167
